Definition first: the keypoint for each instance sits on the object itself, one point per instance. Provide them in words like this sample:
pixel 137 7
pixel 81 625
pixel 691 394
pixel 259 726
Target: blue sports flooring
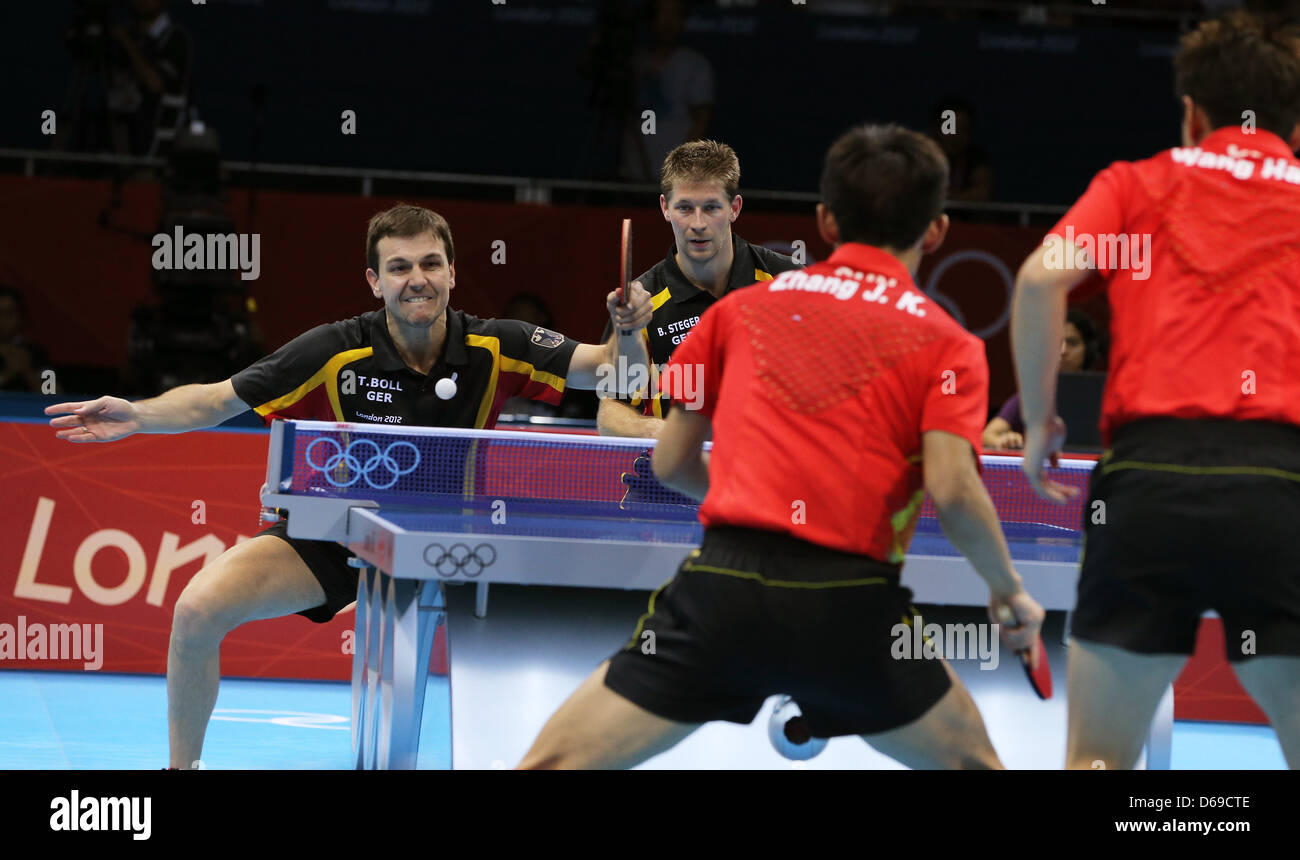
pixel 509 672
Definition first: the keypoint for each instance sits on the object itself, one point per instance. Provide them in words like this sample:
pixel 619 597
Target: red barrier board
pixel 110 534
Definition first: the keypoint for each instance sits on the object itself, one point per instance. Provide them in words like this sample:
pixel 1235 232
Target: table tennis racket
pixel 1040 678
pixel 625 266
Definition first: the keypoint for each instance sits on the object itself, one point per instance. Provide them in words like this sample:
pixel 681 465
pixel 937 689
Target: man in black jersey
pixel 414 362
pixel 700 199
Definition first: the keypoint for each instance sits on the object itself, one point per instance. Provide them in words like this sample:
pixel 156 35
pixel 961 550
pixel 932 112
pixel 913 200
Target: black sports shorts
pixel 328 562
pixel 755 613
pixel 1194 515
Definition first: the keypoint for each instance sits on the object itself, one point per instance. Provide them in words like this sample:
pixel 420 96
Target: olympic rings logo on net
pixel 460 558
pixel 351 457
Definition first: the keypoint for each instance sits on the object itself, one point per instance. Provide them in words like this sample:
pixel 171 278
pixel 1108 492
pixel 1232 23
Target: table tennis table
pixel 421 508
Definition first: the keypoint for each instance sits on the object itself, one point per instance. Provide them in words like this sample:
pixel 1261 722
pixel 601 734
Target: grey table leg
pixel 413 610
pixel 396 620
pixel 1160 742
pixel 360 639
pixel 480 599
pixel 366 667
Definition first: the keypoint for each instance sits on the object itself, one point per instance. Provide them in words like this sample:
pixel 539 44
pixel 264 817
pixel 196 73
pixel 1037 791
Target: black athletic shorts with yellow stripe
pixel 1198 515
pixel 753 614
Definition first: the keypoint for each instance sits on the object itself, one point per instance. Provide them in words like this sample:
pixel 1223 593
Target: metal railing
pixel 526 189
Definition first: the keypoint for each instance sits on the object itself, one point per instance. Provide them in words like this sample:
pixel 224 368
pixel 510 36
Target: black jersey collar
pixel 741 273
pixel 385 351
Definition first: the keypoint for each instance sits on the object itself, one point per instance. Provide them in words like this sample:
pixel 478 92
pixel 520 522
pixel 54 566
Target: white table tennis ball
pixel 777 726
pixel 445 388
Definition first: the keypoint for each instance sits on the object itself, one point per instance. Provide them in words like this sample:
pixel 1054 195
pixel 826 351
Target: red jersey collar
pixel 860 256
pixel 1264 142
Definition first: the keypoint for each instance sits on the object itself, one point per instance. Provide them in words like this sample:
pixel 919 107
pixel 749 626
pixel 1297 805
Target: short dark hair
pixel 1242 62
pixel 701 161
pixel 884 184
pixel 406 221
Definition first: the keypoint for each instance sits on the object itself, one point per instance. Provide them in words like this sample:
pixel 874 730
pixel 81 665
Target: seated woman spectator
pixel 1079 351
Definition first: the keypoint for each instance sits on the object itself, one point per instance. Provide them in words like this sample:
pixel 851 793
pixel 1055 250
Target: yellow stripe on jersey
pixel 760 275
pixel 659 298
pixel 509 365
pixel 514 365
pixel 492 345
pixel 329 375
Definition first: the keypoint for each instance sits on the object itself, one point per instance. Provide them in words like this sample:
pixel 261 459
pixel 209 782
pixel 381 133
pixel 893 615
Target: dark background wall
pixel 480 88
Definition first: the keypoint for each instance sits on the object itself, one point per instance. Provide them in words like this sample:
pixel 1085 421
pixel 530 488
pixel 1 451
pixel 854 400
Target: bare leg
pixel 949 736
pixel 597 728
pixel 1113 695
pixel 260 578
pixel 1274 682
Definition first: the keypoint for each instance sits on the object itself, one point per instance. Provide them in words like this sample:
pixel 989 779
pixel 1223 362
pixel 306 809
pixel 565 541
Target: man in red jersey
pixel 1195 504
pixel 837 396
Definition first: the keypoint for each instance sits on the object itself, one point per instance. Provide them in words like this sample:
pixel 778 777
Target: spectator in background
pixel 676 83
pixel 971 177
pixel 1079 351
pixel 607 64
pixel 150 81
pixel 21 361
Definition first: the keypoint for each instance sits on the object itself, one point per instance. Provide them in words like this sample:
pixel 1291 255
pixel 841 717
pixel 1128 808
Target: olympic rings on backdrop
pixel 358 469
pixel 460 559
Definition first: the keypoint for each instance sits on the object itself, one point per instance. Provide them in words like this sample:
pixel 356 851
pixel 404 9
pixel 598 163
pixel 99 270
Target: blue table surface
pixel 677 525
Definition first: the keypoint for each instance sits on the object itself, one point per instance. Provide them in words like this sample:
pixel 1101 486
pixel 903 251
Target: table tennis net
pixel 555 472
pixel 561 474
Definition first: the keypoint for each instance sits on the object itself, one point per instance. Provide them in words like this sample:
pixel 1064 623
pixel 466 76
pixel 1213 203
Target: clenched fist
pixel 635 312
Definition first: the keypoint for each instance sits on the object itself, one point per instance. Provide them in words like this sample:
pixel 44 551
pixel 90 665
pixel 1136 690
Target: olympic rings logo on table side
pixel 353 462
pixel 460 559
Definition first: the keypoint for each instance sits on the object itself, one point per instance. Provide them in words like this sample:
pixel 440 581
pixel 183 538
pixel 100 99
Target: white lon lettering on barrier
pixel 171 556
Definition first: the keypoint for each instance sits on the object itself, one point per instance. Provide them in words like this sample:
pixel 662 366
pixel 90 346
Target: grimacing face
pixel 700 215
pixel 414 278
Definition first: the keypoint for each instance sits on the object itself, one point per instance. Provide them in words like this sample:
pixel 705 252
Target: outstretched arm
pixel 106 419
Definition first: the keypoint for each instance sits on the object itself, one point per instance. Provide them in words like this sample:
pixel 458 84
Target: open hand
pixel 103 420
pixel 1043 445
